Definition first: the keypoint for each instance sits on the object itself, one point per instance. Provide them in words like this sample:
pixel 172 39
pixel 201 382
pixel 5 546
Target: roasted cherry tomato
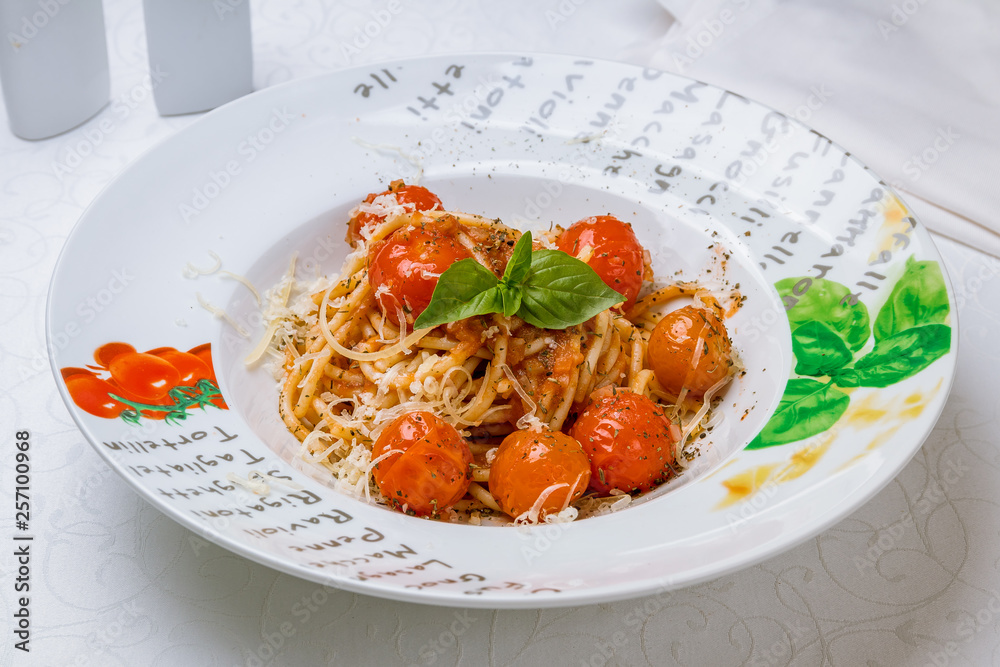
pixel 419 199
pixel 106 353
pixel 144 375
pixel 430 472
pixel 617 256
pixel 690 348
pixel 529 464
pixel 629 441
pixel 190 367
pixel 404 269
pixel 90 394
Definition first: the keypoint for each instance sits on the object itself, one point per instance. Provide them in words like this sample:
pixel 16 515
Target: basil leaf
pixel 560 291
pixel 898 357
pixel 510 296
pixel 819 349
pixel 807 408
pixel 919 297
pixel 465 289
pixel 520 261
pixel 817 299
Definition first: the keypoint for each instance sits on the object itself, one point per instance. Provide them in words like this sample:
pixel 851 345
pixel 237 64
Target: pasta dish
pixel 461 370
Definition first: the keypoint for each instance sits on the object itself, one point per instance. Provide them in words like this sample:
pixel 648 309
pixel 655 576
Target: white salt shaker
pixel 53 64
pixel 201 50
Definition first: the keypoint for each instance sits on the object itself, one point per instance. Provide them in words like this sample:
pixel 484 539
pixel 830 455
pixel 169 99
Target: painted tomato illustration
pixel 159 384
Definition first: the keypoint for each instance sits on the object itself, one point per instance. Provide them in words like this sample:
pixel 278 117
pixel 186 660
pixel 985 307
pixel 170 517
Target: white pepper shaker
pixel 200 50
pixel 53 64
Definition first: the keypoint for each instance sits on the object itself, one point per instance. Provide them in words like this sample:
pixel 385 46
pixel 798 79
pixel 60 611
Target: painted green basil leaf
pixel 807 408
pixel 819 350
pixel 820 300
pixel 919 297
pixel 898 357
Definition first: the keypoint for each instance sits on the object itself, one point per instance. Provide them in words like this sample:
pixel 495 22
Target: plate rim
pixel 437 596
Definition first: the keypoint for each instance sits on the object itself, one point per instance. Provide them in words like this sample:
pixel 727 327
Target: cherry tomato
pixel 190 367
pixel 144 375
pixel 106 353
pixel 419 197
pixel 617 256
pixel 528 463
pixel 432 470
pixel 690 348
pixel 404 268
pixel 90 394
pixel 629 441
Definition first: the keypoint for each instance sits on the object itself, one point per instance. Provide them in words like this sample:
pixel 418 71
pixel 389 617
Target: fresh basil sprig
pixel 547 288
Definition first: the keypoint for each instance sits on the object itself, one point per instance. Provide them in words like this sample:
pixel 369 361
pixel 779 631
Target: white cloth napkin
pixel 913 88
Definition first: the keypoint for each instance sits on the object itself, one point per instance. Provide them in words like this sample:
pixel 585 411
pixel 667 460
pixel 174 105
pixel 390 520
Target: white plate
pixel 688 164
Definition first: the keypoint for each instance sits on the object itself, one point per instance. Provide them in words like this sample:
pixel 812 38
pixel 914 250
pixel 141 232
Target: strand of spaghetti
pixel 595 342
pixel 569 391
pixel 446 344
pixel 389 225
pixel 616 373
pixel 609 357
pixel 537 345
pixel 633 354
pixel 660 297
pixel 641 380
pixel 308 385
pixel 402 345
pixel 355 276
pixel 350 376
pixel 480 474
pixel 382 365
pixel 438 365
pixel 355 319
pixel 635 357
pixel 565 401
pixel 378 326
pixel 489 390
pixel 348 310
pixel 484 496
pixel 468 505
pixel 286 408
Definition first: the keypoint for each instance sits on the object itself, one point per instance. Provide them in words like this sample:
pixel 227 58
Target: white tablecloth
pixel 116 583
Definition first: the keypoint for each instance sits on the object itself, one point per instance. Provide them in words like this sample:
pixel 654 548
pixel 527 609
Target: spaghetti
pixel 351 365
